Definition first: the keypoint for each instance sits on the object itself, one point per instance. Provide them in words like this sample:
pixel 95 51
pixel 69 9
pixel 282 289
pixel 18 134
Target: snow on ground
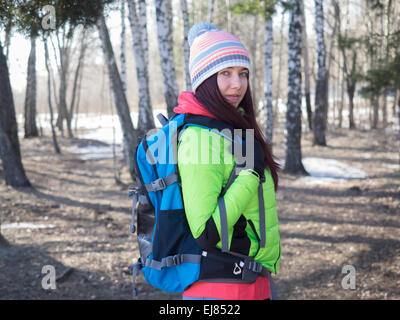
pixel 25 225
pixel 106 128
pixel 96 152
pixel 326 171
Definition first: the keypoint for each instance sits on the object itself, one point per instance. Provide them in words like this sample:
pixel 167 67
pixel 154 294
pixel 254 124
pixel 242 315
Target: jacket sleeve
pixel 203 170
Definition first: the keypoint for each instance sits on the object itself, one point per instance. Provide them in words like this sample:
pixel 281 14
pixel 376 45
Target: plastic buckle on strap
pixel 132 190
pixel 158 184
pixel 173 261
pixel 169 261
pixel 177 259
pixel 255 266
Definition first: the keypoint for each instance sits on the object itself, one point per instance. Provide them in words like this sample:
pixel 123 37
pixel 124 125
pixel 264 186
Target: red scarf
pixel 187 103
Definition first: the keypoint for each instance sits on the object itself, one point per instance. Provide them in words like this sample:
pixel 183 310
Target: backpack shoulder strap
pixel 163 120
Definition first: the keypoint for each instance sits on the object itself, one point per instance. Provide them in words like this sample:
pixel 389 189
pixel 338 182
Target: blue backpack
pixel 170 258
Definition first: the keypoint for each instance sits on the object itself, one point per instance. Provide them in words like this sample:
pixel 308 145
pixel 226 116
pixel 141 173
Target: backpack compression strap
pixel 169 261
pixel 161 183
pixel 224 218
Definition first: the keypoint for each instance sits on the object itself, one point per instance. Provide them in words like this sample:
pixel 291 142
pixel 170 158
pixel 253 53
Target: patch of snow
pixel 331 168
pixel 328 171
pixel 107 128
pixel 25 225
pixel 95 152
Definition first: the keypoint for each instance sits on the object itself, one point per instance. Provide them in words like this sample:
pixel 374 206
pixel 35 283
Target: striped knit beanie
pixel 212 50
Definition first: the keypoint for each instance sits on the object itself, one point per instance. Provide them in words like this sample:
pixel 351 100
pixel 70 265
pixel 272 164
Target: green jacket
pixel 205 163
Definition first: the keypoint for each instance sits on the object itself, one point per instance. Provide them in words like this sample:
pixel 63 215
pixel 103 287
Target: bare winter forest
pixel 80 83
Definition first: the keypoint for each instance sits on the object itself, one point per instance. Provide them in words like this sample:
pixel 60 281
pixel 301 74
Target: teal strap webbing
pixel 172 261
pixel 162 183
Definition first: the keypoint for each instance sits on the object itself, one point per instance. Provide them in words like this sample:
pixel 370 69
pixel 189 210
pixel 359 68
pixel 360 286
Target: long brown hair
pixel 211 98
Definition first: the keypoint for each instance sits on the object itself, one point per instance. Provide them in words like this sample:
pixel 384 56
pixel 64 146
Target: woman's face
pixel 232 83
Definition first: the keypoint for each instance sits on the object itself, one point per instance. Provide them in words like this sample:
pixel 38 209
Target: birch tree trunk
pixel 348 75
pixel 123 46
pixel 140 49
pixel 306 68
pixel 396 94
pixel 143 27
pixel 278 83
pixel 398 116
pixel 228 15
pixel 211 10
pixel 321 98
pixel 186 48
pixel 351 86
pixel 293 160
pixel 63 113
pixel 7 40
pixel 30 95
pixel 165 46
pixel 268 78
pixel 342 89
pixel 53 131
pixel 64 48
pixel 78 71
pixel 13 170
pixel 121 103
pixel 253 57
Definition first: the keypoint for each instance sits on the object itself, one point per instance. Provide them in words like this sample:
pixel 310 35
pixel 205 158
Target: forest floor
pixel 85 219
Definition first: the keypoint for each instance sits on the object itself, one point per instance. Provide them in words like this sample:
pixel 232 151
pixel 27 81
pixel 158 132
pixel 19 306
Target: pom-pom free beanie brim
pixel 212 50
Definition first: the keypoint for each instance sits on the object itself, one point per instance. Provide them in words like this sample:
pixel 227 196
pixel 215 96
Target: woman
pixel 219 68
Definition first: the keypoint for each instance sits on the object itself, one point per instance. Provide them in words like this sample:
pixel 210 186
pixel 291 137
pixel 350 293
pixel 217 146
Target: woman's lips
pixel 233 97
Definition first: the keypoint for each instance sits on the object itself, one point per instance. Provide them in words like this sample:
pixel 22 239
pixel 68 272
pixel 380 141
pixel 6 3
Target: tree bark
pixel 53 131
pixel 341 98
pixel 350 93
pixel 293 162
pixel 121 103
pixel 10 154
pixel 348 75
pixel 268 79
pixel 396 95
pixel 375 109
pixel 64 50
pixel 228 15
pixel 123 46
pixel 278 82
pixel 186 48
pixel 321 97
pixel 306 68
pixel 398 116
pixel 165 45
pixel 253 58
pixel 30 95
pixel 77 75
pixel 139 35
pixel 351 88
pixel 211 10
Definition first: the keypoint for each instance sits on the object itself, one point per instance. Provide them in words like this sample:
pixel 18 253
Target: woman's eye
pixel 244 74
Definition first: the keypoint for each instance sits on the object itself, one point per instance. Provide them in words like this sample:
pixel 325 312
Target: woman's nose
pixel 235 81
